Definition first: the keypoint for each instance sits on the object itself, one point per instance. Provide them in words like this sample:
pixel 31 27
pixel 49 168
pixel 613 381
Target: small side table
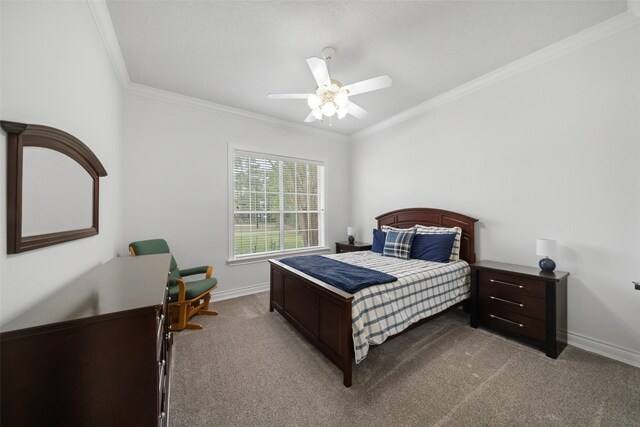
pixel 357 246
pixel 523 302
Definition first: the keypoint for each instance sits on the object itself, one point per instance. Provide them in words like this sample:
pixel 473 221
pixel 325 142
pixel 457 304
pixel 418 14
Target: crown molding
pixel 188 101
pixel 102 19
pixel 613 25
pixel 583 38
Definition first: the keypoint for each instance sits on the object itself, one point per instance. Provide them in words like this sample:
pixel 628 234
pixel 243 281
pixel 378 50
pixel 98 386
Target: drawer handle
pixel 507 301
pixel 499 282
pixel 507 320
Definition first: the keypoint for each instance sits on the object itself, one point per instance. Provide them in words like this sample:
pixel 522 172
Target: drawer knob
pixel 520 325
pixel 507 301
pixel 500 282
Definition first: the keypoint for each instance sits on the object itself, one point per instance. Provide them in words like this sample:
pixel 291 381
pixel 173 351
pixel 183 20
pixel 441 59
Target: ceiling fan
pixel 331 97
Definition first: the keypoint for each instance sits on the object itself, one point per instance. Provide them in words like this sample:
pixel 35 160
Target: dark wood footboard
pixel 320 311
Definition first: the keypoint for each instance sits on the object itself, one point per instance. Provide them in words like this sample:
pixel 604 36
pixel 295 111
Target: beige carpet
pixel 249 367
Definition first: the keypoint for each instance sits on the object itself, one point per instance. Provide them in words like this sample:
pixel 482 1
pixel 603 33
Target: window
pixel 277 204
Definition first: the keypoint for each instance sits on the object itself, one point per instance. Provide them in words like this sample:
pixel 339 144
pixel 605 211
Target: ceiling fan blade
pixel 288 95
pixel 369 85
pixel 310 118
pixel 356 110
pixel 319 70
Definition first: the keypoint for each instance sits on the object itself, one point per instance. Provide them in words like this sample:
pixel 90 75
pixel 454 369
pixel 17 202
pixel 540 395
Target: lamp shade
pixel 350 231
pixel 545 247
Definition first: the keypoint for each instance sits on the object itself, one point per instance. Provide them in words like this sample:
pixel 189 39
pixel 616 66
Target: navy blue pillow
pixel 433 247
pixel 379 237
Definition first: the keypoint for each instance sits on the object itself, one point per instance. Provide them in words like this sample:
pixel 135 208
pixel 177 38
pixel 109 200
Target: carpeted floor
pixel 250 367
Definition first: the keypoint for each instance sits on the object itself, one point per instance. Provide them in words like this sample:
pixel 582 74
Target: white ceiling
pixel 235 52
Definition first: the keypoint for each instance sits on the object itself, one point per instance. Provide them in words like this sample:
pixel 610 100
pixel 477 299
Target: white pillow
pixel 455 251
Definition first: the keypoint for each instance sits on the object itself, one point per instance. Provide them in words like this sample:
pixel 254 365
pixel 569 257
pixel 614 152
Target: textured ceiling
pixel 235 52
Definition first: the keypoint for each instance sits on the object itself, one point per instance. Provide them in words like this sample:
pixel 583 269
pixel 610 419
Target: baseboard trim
pixel 240 292
pixel 602 348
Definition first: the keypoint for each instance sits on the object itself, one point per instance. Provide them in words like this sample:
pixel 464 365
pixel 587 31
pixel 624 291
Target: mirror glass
pixel 57 193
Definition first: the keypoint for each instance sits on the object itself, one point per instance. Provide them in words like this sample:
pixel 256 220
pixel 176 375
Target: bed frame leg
pixel 347 352
pixel 346 377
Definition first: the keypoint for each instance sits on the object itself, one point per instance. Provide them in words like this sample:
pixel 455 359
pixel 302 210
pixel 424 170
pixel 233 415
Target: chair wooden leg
pixel 182 318
pixel 187 310
pixel 192 326
pixel 205 307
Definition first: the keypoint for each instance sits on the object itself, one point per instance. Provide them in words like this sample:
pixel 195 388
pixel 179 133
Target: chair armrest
pixel 182 288
pixel 205 269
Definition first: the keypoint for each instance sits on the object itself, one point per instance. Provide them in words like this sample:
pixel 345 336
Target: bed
pixel 324 314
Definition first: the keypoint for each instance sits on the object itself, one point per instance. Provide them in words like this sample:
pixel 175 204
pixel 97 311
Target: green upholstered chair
pixel 185 299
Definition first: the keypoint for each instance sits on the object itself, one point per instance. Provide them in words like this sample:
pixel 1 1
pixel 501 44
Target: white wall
pixel 176 167
pixel 552 152
pixel 56 72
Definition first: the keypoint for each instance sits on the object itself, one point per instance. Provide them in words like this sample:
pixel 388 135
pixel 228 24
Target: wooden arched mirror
pixel 52 187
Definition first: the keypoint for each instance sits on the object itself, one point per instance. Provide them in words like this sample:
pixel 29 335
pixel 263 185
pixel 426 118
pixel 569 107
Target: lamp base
pixel 351 240
pixel 547 264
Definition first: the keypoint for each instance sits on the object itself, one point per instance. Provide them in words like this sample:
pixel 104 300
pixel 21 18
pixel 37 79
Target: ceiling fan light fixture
pixel 331 97
pixel 341 99
pixel 314 101
pixel 329 109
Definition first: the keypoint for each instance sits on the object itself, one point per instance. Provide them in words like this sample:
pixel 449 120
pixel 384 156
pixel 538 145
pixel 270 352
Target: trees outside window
pixel 277 204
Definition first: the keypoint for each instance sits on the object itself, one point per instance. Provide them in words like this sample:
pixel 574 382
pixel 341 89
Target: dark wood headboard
pixel 407 218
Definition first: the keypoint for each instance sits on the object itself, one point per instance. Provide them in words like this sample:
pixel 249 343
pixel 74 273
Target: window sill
pixel 277 255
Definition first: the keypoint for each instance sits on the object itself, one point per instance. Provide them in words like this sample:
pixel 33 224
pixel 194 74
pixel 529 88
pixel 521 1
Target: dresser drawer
pixel 516 323
pixel 515 284
pixel 499 298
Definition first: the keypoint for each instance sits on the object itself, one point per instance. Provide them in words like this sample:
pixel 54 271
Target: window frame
pixel 234 259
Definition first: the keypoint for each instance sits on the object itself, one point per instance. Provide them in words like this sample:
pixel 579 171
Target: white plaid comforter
pixel 423 289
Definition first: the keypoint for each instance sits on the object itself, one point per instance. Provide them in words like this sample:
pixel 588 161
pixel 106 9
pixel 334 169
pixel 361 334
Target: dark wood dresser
pixel 348 247
pixel 96 353
pixel 523 302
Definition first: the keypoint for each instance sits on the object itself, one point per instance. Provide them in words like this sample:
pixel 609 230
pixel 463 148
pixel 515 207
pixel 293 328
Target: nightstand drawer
pixel 345 248
pixel 494 298
pixel 516 323
pixel 342 247
pixel 514 284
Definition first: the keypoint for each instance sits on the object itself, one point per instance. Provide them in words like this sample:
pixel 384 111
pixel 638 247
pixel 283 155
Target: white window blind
pixel 277 204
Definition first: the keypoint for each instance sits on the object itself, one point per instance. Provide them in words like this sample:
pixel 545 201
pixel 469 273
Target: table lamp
pixel 544 248
pixel 350 233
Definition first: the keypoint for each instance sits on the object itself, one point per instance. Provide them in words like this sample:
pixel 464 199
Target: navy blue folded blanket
pixel 349 278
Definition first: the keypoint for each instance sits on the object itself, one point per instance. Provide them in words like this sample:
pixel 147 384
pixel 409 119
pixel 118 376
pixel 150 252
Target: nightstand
pixel 522 302
pixel 357 246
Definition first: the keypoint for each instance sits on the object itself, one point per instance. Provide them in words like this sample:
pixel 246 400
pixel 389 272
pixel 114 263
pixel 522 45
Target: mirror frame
pixel 20 135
